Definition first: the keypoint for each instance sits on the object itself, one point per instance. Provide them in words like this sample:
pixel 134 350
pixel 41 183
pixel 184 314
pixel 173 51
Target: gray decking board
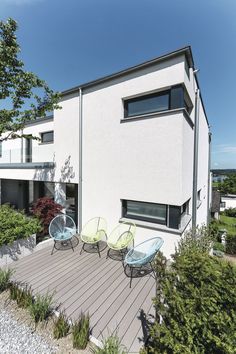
pixel 91 284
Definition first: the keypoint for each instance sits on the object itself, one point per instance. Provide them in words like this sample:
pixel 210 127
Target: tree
pixel 228 186
pixel 24 96
pixel 195 302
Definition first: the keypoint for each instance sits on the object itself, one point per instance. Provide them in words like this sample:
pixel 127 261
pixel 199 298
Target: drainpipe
pixel 209 177
pixel 195 161
pixel 21 148
pixel 80 161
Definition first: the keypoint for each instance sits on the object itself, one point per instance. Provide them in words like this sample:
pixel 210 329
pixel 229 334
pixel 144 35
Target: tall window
pixel 176 97
pixel 47 137
pixel 0 148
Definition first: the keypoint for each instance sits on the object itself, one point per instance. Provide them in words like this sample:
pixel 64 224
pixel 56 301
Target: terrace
pixel 91 284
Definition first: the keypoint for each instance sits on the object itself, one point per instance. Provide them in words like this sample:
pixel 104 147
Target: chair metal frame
pixel 73 231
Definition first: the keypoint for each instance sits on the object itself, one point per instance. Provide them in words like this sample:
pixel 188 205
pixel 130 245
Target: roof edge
pixel 185 50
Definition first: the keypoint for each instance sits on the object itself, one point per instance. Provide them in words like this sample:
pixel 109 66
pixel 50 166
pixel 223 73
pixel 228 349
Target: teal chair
pixel 62 228
pixel 142 254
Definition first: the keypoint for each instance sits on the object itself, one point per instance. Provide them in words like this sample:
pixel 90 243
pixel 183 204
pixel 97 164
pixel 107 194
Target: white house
pixel 130 146
pixel 227 201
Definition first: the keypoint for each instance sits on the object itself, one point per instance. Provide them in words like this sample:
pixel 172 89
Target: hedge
pixel 16 225
pixel 231 243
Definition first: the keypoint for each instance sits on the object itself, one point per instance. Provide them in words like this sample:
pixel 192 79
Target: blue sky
pixel 75 41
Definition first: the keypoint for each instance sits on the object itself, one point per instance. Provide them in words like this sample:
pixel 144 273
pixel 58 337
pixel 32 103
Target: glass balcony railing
pixel 44 153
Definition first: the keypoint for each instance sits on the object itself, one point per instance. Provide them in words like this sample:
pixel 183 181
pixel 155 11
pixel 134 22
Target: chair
pixel 62 228
pixel 93 232
pixel 121 237
pixel 142 254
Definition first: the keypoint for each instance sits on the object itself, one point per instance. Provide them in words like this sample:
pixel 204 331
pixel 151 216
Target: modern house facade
pixel 133 146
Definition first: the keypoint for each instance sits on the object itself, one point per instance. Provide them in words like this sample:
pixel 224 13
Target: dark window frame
pixel 176 211
pixel 185 101
pixel 49 141
pixel 153 220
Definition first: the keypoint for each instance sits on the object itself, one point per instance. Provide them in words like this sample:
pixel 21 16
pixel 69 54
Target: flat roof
pixel 185 50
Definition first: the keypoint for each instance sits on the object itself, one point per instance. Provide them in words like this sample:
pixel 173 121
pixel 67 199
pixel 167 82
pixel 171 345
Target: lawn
pixel 228 223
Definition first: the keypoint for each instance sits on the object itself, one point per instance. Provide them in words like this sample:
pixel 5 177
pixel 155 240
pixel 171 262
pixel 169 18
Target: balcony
pixel 41 156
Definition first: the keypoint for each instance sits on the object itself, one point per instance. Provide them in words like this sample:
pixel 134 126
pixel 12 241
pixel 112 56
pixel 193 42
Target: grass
pixel 228 223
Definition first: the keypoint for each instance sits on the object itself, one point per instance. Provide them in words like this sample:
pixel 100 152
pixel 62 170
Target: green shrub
pixel 5 276
pixel 110 345
pixel 41 307
pixel 61 326
pixel 230 212
pixel 21 293
pixel 195 304
pixel 80 332
pixel 218 246
pixel 213 228
pixel 201 242
pixel 16 225
pixel 231 243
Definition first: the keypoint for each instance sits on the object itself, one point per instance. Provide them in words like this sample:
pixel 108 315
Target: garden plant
pixel 195 302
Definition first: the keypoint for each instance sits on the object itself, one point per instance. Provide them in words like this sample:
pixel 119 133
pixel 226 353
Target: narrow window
pixel 0 148
pixel 47 137
pixel 151 212
pixel 147 104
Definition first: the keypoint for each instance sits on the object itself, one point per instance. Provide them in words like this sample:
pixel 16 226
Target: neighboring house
pixel 227 201
pixel 121 147
pixel 219 178
pixel 215 204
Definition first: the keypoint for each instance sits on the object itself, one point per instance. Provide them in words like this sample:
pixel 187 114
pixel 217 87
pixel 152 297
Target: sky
pixel 69 42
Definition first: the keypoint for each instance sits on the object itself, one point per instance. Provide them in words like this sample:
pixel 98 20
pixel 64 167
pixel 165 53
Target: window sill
pixel 47 143
pixel 160 114
pixel 184 223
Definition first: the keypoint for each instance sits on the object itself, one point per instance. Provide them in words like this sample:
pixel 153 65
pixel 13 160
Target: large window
pixel 145 211
pixel 168 215
pixel 176 97
pixel 47 137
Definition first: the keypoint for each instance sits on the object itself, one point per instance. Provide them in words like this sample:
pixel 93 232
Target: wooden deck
pixel 91 284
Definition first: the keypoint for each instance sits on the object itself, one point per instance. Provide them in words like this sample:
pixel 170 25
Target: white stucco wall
pixel 230 202
pixel 66 140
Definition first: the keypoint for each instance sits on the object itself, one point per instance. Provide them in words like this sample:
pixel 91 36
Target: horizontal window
pixel 145 211
pixel 47 137
pixel 157 102
pixel 168 215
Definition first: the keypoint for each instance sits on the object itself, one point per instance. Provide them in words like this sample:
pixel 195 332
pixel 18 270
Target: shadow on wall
pixel 67 171
pixel 18 249
pixel 48 174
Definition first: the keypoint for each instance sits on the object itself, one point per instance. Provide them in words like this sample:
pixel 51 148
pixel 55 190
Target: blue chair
pixel 142 254
pixel 62 228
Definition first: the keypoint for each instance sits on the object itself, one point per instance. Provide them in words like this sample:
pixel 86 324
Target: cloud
pixel 224 149
pixel 20 2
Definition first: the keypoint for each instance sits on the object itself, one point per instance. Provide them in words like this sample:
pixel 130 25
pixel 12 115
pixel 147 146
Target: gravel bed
pixel 16 338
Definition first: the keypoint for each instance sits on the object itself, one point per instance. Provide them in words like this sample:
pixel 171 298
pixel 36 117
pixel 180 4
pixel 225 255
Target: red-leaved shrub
pixel 46 209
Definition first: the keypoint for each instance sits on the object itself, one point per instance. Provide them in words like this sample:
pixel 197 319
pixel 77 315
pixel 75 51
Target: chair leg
pixel 108 252
pixel 152 269
pixel 98 249
pixel 72 245
pixel 131 276
pixel 82 248
pixel 53 248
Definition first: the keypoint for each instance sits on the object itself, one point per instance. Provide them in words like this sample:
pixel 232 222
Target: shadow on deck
pixel 95 285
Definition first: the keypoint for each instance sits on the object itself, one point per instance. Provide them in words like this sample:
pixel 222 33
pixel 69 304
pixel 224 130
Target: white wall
pixel 66 140
pixel 230 202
